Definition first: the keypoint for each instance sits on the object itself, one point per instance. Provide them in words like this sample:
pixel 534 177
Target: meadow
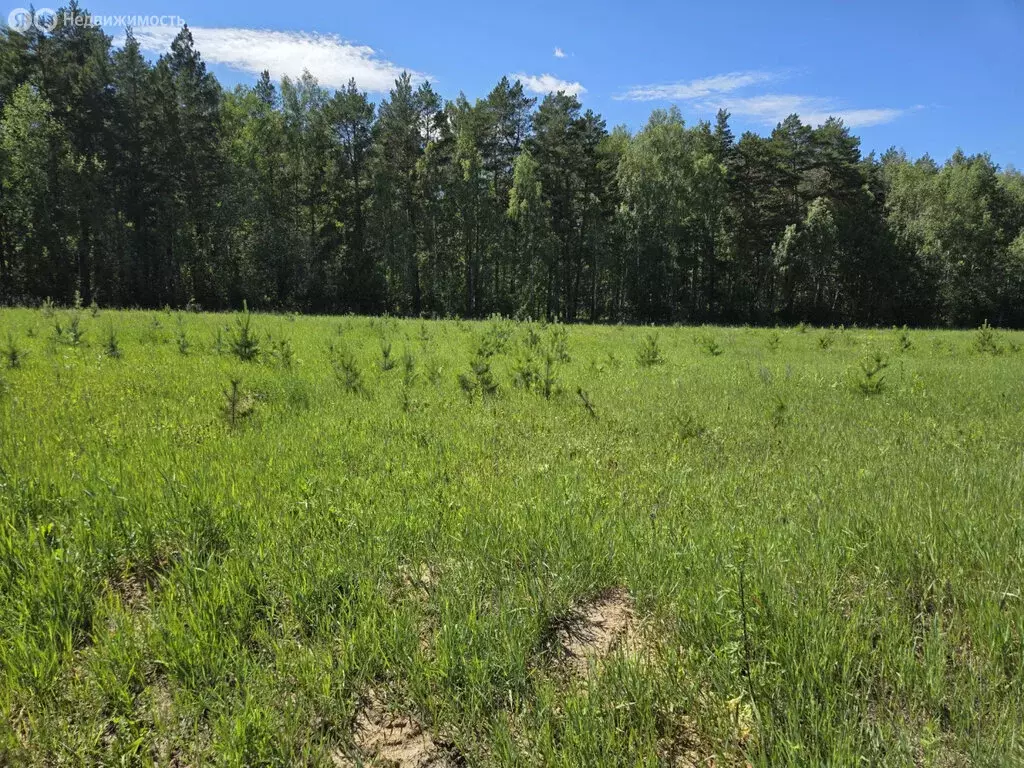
pixel 283 540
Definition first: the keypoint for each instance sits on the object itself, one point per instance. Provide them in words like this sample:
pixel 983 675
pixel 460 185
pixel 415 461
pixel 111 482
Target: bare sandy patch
pixel 597 629
pixel 384 738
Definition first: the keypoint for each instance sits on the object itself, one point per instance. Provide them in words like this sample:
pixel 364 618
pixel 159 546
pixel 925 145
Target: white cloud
pixel 709 94
pixel 328 58
pixel 559 53
pixel 855 118
pixel 544 84
pixel 770 109
pixel 696 89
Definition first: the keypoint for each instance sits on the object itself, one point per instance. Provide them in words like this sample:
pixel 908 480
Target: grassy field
pixel 507 544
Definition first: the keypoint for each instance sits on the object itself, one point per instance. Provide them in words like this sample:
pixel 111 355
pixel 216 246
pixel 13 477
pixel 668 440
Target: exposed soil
pixel 384 738
pixel 596 630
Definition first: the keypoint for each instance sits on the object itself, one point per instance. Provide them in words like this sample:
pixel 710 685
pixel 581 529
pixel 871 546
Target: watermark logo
pixel 23 19
pixel 47 19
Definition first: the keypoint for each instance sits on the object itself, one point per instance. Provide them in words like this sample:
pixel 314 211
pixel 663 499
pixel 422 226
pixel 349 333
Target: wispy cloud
pixel 559 53
pixel 695 89
pixel 716 92
pixel 770 109
pixel 330 59
pixel 544 84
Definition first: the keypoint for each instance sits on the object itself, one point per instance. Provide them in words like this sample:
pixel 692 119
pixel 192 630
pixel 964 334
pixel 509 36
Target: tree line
pixel 139 184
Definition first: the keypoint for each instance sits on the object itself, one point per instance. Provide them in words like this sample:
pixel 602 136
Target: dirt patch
pixel 131 589
pixel 133 584
pixel 384 738
pixel 596 629
pixel 686 749
pixel 687 746
pixel 418 580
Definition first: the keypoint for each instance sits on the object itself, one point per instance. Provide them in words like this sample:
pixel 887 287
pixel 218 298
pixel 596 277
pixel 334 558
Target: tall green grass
pixel 827 562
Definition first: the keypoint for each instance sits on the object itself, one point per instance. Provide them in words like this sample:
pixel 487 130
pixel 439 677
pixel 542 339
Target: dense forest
pixel 140 184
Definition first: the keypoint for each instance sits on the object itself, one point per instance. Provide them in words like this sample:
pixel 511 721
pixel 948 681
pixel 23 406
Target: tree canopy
pixel 147 184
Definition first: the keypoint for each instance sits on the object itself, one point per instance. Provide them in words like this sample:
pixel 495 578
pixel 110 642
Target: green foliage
pixel 536 368
pixel 282 353
pixel 111 345
pixel 709 343
pixel 585 399
pixel 688 426
pixel 316 198
pixel 182 340
pixel 480 379
pixel 986 341
pixel 558 342
pixel 409 373
pixel 904 343
pixel 780 413
pixel 71 333
pixel 230 569
pixel 387 362
pixel 648 354
pixel 219 343
pixel 346 370
pixel 243 341
pixel 237 404
pixel 13 355
pixel 549 384
pixel 872 380
pixel 526 370
pixel 533 337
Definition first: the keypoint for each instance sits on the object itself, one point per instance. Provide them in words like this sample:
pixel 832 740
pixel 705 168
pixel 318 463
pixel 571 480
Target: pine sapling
pixel 72 334
pixel 409 373
pixel 218 341
pixel 873 381
pixel 711 345
pixel 75 332
pixel 281 350
pixel 533 338
pixel 386 361
pixel 346 370
pixel 525 371
pixel 182 338
pixel 236 405
pixel 903 341
pixel 559 342
pixel 13 355
pixel 480 377
pixel 985 340
pixel 243 341
pixel 649 353
pixel 485 378
pixel 111 345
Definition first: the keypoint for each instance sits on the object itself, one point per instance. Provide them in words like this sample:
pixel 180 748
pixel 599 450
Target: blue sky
pixel 925 76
